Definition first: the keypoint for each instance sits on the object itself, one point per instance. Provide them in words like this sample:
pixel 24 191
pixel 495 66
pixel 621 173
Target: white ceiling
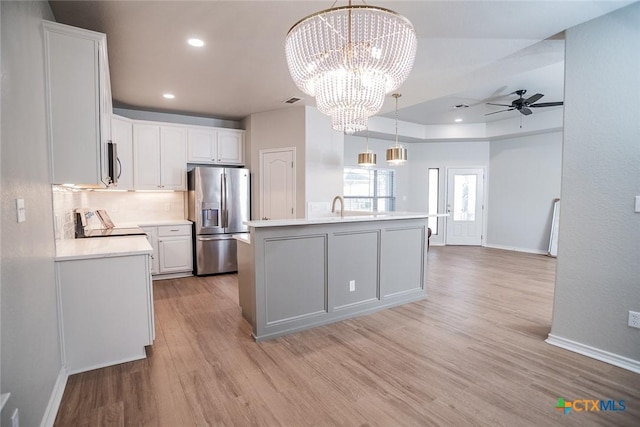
pixel 468 51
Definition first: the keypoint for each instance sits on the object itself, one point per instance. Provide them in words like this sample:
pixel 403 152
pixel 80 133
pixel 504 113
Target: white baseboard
pixel 51 411
pixel 595 353
pixel 515 249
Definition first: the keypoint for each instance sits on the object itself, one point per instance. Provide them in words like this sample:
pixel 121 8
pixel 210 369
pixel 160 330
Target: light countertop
pixel 153 223
pixel 336 219
pixel 102 247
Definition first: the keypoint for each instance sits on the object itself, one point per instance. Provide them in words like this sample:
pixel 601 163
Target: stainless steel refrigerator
pixel 218 203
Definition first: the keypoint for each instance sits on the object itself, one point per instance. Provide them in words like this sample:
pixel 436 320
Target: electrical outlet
pixel 352 285
pixel 634 319
pixel 15 419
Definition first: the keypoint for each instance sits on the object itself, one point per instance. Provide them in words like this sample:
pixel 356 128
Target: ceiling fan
pixel 524 105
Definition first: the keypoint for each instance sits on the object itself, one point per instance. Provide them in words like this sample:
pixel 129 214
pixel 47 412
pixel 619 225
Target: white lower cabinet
pixel 152 237
pixel 106 307
pixel 172 250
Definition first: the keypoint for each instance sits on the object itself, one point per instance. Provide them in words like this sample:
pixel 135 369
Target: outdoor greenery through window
pixel 370 190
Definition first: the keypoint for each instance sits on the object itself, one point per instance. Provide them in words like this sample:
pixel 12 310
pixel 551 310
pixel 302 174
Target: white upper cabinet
pixel 160 161
pixel 215 146
pixel 78 97
pixel 173 158
pixel 202 145
pixel 122 135
pixel 231 147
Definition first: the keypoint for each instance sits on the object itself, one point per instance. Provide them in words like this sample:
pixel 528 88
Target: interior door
pixel 277 184
pixel 465 205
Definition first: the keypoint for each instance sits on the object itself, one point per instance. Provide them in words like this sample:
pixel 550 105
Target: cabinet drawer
pixel 174 230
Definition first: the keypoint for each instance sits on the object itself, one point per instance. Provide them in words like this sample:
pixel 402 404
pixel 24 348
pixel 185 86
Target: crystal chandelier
pixel 396 154
pixel 349 58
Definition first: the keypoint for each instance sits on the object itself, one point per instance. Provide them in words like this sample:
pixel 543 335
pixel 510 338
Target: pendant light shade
pixel 396 154
pixel 349 58
pixel 367 158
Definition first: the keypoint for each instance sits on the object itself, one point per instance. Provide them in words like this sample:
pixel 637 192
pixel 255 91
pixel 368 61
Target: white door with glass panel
pixel 465 199
pixel 277 183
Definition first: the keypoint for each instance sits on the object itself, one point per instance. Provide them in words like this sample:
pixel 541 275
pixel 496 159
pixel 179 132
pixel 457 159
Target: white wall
pixel 598 272
pixel 30 346
pixel 524 180
pixel 324 157
pixel 276 129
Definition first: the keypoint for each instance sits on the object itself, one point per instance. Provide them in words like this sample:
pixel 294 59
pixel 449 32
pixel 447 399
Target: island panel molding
pixel 306 274
pixel 402 271
pixel 294 287
pixel 362 270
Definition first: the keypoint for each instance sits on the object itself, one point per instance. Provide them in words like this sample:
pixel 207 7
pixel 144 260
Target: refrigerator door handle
pixel 220 237
pixel 225 208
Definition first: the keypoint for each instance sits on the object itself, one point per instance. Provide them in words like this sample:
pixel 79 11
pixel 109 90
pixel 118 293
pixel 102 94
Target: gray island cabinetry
pixel 298 274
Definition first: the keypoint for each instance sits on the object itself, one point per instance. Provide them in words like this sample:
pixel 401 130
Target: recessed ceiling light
pixel 458 120
pixel 168 95
pixel 195 42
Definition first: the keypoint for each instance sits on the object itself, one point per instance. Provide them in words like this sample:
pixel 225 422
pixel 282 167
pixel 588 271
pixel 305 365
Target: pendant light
pixel 349 58
pixel 368 157
pixel 396 154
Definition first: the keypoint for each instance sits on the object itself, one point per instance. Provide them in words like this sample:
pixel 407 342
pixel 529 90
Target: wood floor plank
pixel 472 353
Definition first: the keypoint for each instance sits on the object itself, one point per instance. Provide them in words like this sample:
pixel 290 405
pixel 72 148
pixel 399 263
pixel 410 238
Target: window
pixel 434 183
pixel 369 190
pixel 464 197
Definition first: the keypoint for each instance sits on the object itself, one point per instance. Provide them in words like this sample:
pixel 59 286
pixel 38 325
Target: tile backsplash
pixel 124 207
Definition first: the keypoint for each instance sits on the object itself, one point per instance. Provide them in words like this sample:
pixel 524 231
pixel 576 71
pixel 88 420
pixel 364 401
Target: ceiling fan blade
pixel 501 111
pixel 525 111
pixel 547 104
pixel 501 105
pixel 534 98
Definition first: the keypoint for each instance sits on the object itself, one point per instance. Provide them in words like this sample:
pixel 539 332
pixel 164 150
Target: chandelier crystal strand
pixel 349 58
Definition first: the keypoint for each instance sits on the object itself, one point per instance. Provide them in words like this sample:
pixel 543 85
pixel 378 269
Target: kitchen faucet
pixel 333 205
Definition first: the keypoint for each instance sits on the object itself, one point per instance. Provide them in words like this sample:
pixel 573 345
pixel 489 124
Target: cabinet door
pixel 152 237
pixel 146 157
pixel 175 254
pixel 73 108
pixel 230 147
pixel 202 145
pixel 122 135
pixel 173 156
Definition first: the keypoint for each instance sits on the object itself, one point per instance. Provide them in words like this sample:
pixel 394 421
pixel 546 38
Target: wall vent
pixel 292 100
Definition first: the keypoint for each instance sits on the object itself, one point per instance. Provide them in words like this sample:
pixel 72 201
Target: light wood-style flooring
pixel 471 354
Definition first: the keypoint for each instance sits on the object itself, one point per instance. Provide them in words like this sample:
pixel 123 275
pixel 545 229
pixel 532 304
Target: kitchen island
pixel 301 273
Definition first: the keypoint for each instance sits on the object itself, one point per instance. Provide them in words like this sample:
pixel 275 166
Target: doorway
pixel 277 183
pixel 465 205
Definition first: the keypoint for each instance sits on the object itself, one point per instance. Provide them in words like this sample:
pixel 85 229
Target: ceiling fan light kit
pixel 524 105
pixel 349 58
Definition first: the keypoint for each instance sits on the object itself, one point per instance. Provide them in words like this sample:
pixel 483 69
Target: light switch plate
pixel 637 203
pixel 20 210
